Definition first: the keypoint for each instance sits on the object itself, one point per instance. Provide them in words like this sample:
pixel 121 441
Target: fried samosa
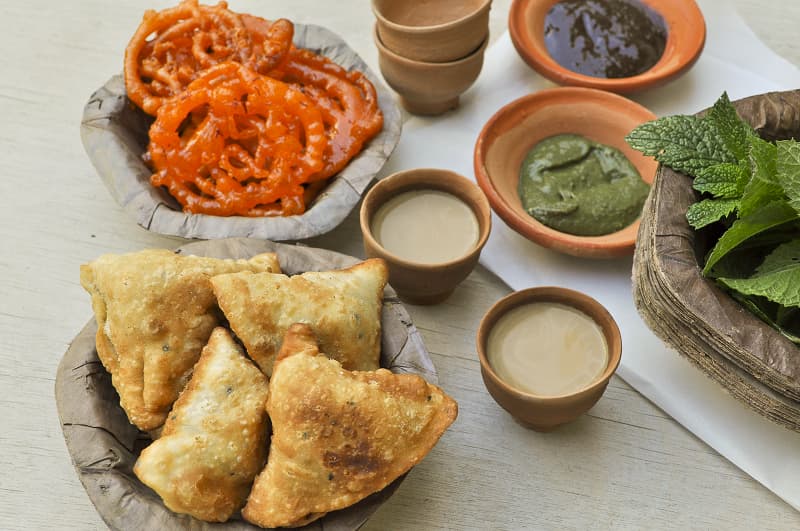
pixel 339 436
pixel 155 311
pixel 214 441
pixel 343 308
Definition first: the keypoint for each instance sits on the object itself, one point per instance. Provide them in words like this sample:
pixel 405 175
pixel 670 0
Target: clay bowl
pixel 509 134
pixel 428 88
pixel 432 31
pixel 414 282
pixel 686 36
pixel 544 413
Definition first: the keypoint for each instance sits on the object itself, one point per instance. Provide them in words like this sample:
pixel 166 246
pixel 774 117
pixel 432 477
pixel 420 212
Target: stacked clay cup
pixel 431 51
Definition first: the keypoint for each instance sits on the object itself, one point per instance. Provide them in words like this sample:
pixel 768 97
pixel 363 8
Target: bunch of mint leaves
pixel 750 194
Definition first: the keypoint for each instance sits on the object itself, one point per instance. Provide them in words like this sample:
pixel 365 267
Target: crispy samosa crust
pixel 338 436
pixel 343 308
pixel 155 311
pixel 215 439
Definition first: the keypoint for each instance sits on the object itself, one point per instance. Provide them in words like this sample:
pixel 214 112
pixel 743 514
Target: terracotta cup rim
pixel 416 181
pixel 433 27
pixel 382 49
pixel 686 36
pixel 602 246
pixel 559 295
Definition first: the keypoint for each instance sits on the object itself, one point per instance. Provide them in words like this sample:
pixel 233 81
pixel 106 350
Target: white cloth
pixel 734 60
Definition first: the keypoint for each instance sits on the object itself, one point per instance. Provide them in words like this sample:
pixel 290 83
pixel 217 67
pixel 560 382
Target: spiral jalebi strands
pixel 347 100
pixel 172 47
pixel 237 143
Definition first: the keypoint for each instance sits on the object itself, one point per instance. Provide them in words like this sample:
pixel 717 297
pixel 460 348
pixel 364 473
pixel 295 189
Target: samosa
pixel 339 436
pixel 214 441
pixel 155 311
pixel 343 308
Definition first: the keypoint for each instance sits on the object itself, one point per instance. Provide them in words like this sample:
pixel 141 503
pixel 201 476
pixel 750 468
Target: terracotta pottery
pixel 686 36
pixel 415 282
pixel 428 88
pixel 435 31
pixel 509 134
pixel 544 413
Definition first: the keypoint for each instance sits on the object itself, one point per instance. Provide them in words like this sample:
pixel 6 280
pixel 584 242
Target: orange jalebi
pixel 237 143
pixel 246 123
pixel 172 47
pixel 347 100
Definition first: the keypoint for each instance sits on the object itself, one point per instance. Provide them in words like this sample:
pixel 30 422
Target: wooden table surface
pixel 625 464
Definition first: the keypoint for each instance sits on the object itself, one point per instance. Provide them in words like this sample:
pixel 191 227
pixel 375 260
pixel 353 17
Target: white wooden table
pixel 624 465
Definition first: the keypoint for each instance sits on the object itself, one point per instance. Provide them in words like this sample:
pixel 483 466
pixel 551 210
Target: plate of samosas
pixel 225 124
pixel 243 384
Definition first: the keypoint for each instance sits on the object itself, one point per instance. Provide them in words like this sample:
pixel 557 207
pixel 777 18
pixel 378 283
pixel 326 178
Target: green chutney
pixel 580 187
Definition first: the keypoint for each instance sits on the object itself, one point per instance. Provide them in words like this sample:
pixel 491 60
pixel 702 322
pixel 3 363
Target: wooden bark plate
pixel 114 134
pixel 104 446
pixel 752 361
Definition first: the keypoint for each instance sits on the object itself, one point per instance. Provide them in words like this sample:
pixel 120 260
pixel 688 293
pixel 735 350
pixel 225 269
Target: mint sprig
pixel 750 187
pixel 684 143
pixel 723 181
pixel 777 279
pixel 770 216
pixel 710 211
pixel 788 170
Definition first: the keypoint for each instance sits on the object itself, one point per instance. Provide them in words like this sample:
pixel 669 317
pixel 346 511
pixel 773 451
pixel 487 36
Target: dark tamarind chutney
pixel 605 38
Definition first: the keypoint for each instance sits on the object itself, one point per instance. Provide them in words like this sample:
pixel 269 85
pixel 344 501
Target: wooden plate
pixel 104 445
pixel 114 134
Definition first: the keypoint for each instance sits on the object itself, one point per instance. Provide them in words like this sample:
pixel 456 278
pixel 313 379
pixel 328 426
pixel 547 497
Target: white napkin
pixel 734 60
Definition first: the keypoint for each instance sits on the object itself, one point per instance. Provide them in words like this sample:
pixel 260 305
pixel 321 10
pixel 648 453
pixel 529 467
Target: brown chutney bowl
pixel 544 413
pixel 428 88
pixel 437 31
pixel 686 37
pixel 414 282
pixel 513 130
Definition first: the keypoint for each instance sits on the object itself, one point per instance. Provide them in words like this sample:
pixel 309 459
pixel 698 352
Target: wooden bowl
pixel 509 134
pixel 434 32
pixel 544 413
pixel 415 282
pixel 428 88
pixel 686 36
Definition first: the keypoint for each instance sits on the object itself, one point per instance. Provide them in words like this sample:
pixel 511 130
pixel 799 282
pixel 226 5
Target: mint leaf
pixel 708 211
pixel 743 261
pixel 782 257
pixel 788 170
pixel 687 144
pixel 777 279
pixel 732 130
pixel 763 186
pixel 724 180
pixel 763 219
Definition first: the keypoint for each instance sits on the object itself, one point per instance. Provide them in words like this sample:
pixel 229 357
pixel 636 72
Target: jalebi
pixel 246 124
pixel 348 103
pixel 172 47
pixel 237 143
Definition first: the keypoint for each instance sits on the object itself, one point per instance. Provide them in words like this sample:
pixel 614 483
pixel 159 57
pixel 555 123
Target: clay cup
pixel 545 413
pixel 429 88
pixel 434 31
pixel 421 283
